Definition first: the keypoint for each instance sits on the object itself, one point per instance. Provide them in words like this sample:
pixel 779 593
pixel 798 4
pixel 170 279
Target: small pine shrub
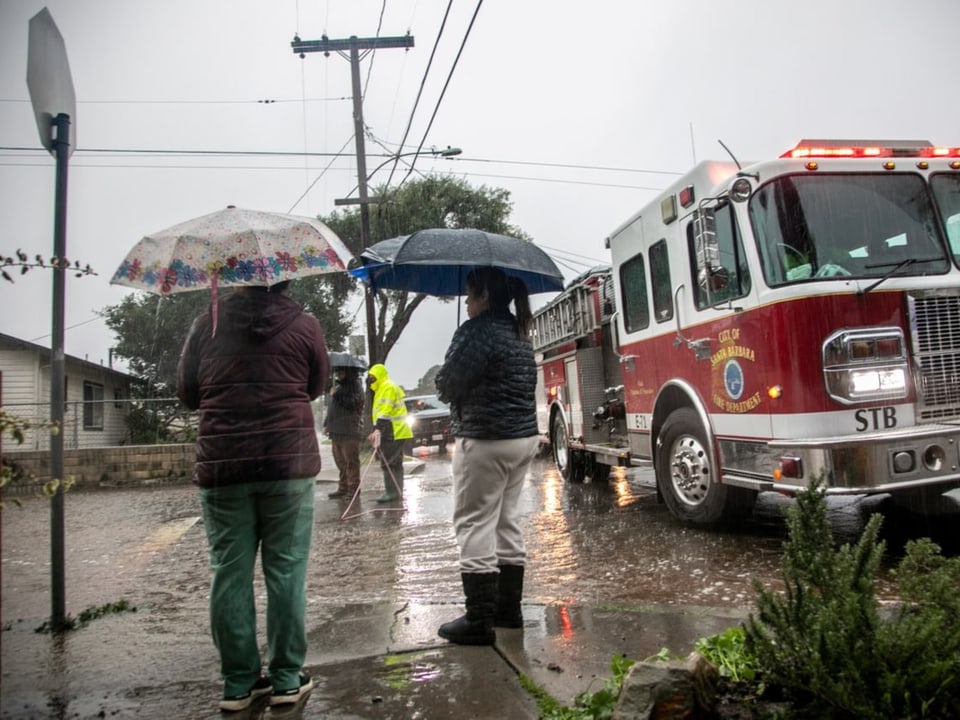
pixel 825 639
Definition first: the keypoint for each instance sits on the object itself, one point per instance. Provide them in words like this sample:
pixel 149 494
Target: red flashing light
pixel 873 151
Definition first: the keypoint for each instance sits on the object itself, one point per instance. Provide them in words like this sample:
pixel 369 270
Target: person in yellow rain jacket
pixel 390 430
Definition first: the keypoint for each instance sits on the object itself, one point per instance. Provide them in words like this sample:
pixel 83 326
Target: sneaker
pixel 293 695
pixel 232 703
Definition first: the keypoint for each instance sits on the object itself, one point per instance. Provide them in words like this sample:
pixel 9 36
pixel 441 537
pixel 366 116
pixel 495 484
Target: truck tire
pixel 687 481
pixel 569 462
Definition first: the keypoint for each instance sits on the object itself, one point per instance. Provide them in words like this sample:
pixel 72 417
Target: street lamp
pixel 373 351
pixel 447 152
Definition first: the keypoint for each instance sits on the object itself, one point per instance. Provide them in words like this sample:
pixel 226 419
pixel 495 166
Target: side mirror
pixel 706 246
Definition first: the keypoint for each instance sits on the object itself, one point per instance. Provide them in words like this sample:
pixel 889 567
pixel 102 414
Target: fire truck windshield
pixel 849 226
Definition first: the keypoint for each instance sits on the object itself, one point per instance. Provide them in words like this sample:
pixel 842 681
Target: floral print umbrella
pixel 232 247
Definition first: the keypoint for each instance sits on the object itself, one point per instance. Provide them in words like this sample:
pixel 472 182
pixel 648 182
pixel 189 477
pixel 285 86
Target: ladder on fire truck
pixel 568 317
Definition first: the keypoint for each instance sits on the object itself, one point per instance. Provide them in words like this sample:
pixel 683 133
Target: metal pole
pixel 354 45
pixel 372 346
pixel 58 372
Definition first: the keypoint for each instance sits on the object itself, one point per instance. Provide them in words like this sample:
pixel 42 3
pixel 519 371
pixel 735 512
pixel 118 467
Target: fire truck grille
pixel 936 342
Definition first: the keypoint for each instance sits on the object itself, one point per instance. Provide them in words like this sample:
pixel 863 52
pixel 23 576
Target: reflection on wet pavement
pixel 604 548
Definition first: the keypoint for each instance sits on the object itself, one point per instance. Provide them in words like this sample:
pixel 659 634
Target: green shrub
pixel 824 638
pixel 727 651
pixel 587 705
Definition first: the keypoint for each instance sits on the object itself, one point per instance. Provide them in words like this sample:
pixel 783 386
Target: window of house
pixel 92 406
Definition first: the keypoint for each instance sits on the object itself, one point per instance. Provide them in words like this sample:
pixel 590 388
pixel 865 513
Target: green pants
pixel 277 518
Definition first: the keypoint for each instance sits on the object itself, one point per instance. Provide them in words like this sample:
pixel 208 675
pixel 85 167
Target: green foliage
pixel 825 638
pixel 17 427
pixel 727 651
pixel 23 261
pixel 85 617
pixel 430 202
pixel 587 706
pixel 151 329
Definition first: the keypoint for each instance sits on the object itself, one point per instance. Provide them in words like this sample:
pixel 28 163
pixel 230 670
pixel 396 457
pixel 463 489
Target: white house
pixel 96 397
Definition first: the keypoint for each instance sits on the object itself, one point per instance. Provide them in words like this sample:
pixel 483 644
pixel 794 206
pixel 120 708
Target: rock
pixel 673 690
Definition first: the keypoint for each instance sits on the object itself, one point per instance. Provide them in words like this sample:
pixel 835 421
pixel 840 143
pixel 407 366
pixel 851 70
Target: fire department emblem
pixel 733 379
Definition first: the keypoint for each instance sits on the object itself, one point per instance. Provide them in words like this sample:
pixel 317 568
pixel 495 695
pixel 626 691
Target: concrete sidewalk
pixel 367 661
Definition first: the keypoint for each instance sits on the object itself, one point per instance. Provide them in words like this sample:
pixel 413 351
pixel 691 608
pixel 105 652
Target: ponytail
pixel 521 301
pixel 502 289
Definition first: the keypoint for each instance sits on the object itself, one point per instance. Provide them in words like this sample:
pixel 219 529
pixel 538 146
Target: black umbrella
pixel 346 360
pixel 437 261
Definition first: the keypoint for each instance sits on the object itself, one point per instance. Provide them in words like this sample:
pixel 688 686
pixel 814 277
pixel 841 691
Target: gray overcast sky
pixel 630 93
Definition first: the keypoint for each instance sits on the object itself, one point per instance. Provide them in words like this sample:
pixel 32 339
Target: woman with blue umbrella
pixel 489 377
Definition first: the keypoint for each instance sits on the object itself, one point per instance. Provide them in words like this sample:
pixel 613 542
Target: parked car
pixel 429 419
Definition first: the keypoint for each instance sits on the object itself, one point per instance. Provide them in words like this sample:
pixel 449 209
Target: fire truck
pixel 762 326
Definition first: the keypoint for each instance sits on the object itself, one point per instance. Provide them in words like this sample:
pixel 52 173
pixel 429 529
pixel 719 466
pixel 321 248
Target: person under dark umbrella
pixel 489 378
pixel 343 425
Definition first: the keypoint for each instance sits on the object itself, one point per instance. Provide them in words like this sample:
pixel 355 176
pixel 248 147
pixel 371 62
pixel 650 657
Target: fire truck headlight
pixel 877 381
pixel 865 365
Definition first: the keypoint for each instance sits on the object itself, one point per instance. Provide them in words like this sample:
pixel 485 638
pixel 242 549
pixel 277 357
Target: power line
pixel 423 82
pixel 298 153
pixel 573 167
pixel 265 101
pixel 436 107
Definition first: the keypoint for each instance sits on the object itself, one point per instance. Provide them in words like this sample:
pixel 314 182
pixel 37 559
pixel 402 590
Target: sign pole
pixel 54 105
pixel 61 124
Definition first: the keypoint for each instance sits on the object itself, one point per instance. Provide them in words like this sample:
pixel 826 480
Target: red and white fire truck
pixel 761 326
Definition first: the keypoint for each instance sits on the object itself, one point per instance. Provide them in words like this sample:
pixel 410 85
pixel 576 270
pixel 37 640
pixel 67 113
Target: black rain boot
pixel 509 594
pixel 390 491
pixel 476 627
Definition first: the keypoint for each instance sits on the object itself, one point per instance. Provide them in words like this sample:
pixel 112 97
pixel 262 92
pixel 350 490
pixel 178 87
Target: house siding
pixel 25 393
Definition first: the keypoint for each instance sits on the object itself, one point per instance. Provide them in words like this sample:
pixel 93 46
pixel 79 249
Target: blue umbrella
pixel 346 360
pixel 437 261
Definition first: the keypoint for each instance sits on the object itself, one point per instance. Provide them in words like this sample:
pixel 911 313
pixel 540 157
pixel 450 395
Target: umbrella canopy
pixel 232 247
pixel 437 261
pixel 346 360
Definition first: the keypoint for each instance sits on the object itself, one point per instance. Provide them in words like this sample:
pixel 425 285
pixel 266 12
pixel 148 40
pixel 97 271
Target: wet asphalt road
pixel 605 546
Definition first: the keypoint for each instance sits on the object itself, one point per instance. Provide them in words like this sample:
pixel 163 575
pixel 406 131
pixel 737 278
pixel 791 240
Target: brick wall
pixel 103 467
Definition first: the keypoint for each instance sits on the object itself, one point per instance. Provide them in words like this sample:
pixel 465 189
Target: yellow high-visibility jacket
pixel 388 404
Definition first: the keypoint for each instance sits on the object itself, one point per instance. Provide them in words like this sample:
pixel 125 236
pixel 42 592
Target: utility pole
pixel 350 48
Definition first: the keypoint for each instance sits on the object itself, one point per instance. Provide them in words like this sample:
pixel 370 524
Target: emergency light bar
pixel 833 149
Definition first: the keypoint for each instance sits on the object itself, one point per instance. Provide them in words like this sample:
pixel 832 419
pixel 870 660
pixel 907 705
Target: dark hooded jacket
pixel 344 418
pixel 253 382
pixel 489 377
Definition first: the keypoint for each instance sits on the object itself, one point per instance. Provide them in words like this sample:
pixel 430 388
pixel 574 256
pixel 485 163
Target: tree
pixel 431 202
pixel 427 384
pixel 151 329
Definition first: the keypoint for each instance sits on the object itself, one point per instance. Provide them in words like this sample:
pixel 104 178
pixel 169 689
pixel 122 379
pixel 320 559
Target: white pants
pixel 487 479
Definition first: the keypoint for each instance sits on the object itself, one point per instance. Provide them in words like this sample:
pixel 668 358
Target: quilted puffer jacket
pixel 489 378
pixel 253 382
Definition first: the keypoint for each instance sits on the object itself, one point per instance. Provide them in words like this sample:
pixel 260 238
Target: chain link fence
pixel 111 423
pixel 105 423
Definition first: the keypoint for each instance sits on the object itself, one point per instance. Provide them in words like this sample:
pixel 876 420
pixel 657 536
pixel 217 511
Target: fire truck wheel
pixel 686 479
pixel 570 463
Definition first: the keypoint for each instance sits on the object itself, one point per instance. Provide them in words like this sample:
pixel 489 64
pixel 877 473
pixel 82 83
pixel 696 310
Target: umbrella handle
pixel 214 302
